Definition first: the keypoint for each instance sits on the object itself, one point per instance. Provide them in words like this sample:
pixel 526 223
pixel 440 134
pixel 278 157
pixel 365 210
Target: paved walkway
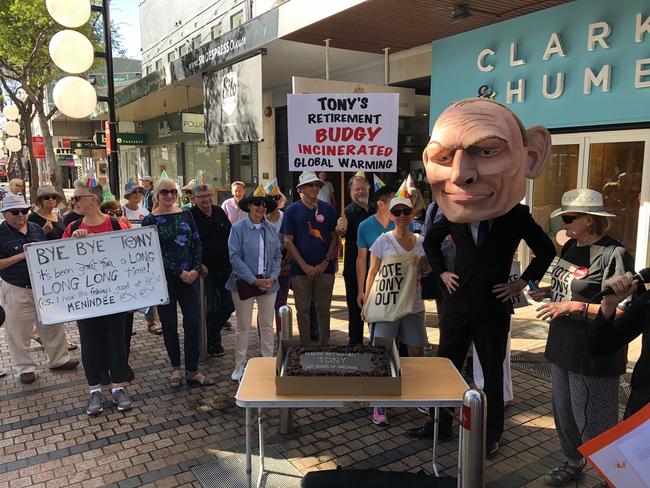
pixel 46 439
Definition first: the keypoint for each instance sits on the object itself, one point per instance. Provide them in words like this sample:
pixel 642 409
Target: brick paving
pixel 47 440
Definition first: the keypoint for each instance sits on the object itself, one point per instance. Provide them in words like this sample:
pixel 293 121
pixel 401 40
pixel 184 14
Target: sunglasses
pixel 16 212
pixel 76 199
pixel 568 219
pixel 312 185
pixel 136 192
pixel 165 192
pixel 399 212
pixel 48 197
pixel 259 203
pixel 277 198
pixel 115 213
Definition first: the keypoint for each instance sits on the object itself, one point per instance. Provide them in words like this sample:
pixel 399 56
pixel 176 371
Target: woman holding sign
pixel 393 296
pixel 181 252
pixel 103 353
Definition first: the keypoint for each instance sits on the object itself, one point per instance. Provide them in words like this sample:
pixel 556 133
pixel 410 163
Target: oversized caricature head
pixel 479 157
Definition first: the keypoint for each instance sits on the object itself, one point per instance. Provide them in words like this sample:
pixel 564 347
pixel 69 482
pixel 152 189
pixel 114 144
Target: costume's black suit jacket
pixel 479 269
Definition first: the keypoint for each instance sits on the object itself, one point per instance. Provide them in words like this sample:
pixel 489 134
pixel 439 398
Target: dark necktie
pixel 483 229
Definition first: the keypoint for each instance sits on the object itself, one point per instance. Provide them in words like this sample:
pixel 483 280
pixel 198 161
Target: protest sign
pixel 101 274
pixel 343 132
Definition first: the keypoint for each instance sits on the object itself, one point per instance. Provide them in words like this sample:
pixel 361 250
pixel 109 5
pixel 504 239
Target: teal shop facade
pixel 582 70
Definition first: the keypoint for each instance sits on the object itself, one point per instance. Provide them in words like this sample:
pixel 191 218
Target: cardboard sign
pixel 343 132
pixel 519 300
pixel 98 275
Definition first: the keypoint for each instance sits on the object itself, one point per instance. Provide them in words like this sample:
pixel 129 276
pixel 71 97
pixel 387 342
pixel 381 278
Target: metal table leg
pixel 436 423
pixel 249 469
pixel 261 433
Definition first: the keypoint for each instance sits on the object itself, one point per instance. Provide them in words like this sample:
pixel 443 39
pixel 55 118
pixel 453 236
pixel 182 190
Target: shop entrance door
pixel 617 164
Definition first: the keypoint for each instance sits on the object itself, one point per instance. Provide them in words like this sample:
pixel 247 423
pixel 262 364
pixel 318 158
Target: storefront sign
pixel 107 137
pixel 578 64
pixel 123 138
pixel 232 103
pixel 84 145
pixel 38 147
pixel 335 132
pixel 316 85
pixel 192 123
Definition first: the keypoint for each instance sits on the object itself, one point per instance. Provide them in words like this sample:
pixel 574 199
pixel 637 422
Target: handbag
pixel 246 290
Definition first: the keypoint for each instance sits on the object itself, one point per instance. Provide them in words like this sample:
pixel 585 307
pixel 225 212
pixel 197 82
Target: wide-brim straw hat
pixel 257 195
pixel 582 200
pixel 45 190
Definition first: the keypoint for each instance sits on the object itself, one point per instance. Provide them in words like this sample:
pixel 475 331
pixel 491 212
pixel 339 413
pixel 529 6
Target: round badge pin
pixel 320 219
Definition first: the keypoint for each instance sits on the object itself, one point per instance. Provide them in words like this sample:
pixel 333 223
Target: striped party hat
pixel 378 183
pixel 163 175
pixel 90 181
pixel 402 191
pixel 272 188
pixel 200 181
pixel 410 185
pixel 132 181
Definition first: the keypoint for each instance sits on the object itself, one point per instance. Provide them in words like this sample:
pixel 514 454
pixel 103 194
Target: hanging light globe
pixel 71 51
pixel 69 13
pixel 11 112
pixel 13 144
pixel 75 97
pixel 12 128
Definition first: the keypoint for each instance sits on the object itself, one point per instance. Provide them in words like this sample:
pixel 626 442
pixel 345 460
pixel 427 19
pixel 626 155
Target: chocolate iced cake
pixel 337 361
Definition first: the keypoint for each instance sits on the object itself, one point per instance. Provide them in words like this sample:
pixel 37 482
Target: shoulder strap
pixel 76 224
pixel 115 224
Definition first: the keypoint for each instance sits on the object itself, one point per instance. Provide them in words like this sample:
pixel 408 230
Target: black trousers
pixel 490 338
pixel 220 305
pixel 187 296
pixel 103 349
pixel 355 324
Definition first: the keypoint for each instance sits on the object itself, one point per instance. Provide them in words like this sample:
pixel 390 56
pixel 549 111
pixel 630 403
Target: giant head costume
pixel 479 157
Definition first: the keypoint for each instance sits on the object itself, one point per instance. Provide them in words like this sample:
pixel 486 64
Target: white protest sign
pixel 343 132
pixel 101 274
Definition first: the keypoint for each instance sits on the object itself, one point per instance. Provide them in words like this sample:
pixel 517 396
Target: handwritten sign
pixel 101 274
pixel 343 132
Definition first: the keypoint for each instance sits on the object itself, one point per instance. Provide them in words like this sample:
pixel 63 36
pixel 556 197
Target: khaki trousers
pixel 265 316
pixel 319 289
pixel 21 314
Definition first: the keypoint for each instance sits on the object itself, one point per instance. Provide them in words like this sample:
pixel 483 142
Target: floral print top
pixel 179 241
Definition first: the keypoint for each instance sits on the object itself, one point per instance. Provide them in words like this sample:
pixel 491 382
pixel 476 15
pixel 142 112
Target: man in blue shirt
pixel 309 229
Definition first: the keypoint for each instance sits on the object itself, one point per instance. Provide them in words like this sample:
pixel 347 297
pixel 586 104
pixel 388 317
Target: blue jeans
pixel 187 296
pixel 220 305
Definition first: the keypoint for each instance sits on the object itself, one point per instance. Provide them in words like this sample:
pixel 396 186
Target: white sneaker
pixel 238 372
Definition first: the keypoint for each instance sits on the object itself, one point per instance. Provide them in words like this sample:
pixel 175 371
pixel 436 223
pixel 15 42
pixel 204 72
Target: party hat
pixel 163 175
pixel 90 181
pixel 272 188
pixel 131 181
pixel 200 181
pixel 410 185
pixel 259 191
pixel 378 183
pixel 402 191
pixel 107 195
pixel 360 173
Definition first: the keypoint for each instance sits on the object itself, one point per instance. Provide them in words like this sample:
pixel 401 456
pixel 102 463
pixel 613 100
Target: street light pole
pixel 113 157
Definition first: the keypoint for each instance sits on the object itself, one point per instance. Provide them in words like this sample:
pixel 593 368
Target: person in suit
pixel 477 162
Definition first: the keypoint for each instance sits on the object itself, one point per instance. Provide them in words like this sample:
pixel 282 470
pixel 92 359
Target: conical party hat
pixel 200 181
pixel 259 191
pixel 360 173
pixel 272 188
pixel 107 195
pixel 90 181
pixel 410 185
pixel 132 181
pixel 378 183
pixel 402 191
pixel 163 175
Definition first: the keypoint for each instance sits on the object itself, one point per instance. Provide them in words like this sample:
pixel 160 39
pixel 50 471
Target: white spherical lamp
pixel 12 128
pixel 13 144
pixel 11 112
pixel 75 97
pixel 69 13
pixel 71 51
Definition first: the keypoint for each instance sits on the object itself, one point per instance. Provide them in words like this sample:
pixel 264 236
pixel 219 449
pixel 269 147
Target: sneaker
pixel 122 400
pixel 379 416
pixel 237 373
pixel 216 350
pixel 95 404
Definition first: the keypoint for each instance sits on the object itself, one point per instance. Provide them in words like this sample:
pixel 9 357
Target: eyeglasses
pixel 48 197
pixel 277 198
pixel 77 199
pixel 16 212
pixel 404 211
pixel 568 219
pixel 165 192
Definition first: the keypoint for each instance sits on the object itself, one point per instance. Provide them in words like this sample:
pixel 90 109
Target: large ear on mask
pixel 539 150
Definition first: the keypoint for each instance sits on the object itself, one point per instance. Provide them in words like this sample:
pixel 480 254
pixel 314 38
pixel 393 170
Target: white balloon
pixel 75 97
pixel 69 13
pixel 12 128
pixel 71 51
pixel 11 112
pixel 13 144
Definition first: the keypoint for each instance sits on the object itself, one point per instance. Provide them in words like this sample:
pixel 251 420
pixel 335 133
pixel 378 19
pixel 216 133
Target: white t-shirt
pixel 135 216
pixel 326 192
pixel 260 257
pixel 277 225
pixel 382 247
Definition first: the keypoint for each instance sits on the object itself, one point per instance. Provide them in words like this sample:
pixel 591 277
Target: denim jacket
pixel 244 247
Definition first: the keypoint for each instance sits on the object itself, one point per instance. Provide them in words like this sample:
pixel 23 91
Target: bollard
pixel 286 414
pixel 203 325
pixel 472 440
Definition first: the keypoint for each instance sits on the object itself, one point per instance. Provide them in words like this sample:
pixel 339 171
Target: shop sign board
pixel 123 138
pixel 316 85
pixel 343 132
pixel 232 103
pixel 38 147
pixel 578 64
pixel 192 123
pixel 83 145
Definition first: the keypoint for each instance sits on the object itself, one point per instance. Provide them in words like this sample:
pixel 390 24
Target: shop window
pixel 211 162
pixel 171 56
pixel 216 31
pixel 164 158
pixel 182 51
pixel 237 19
pixel 196 42
pixel 159 65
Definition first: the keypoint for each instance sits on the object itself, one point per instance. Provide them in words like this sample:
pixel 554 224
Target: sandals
pixel 176 379
pixel 154 328
pixel 71 346
pixel 199 379
pixel 563 475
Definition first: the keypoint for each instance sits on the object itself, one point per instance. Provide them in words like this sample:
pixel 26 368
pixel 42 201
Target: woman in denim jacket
pixel 255 258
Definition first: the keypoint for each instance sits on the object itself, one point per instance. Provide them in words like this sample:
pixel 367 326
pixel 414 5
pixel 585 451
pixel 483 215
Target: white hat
pixel 307 177
pixel 400 201
pixel 146 178
pixel 582 200
pixel 12 202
